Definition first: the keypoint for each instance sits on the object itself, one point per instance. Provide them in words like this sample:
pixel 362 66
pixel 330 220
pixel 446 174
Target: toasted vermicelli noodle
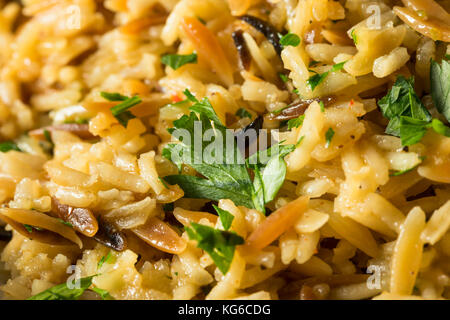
pixel 358 206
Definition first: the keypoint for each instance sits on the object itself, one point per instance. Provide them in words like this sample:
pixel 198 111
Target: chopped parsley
pixel 220 245
pixel 313 63
pixel 318 78
pixel 163 183
pixel 322 106
pixel 225 173
pixel 290 39
pixel 399 173
pixel 354 36
pixel 63 292
pixel 120 111
pixel 168 207
pixel 176 61
pixel 47 144
pixel 408 117
pixel 30 228
pixel 104 259
pixel 242 113
pixel 8 146
pixel 77 121
pixel 225 217
pixel 283 77
pixel 295 123
pixel 329 136
pixel 65 223
pixel 440 87
pixel 103 294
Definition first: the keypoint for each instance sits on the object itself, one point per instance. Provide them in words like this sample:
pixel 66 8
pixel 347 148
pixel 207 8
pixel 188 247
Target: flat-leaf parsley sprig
pixel 120 111
pixel 227 179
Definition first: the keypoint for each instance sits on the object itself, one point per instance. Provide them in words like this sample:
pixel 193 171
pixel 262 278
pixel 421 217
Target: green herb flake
pixel 300 140
pixel 440 87
pixel 120 111
pixel 354 36
pixel 225 217
pixel 322 106
pixel 242 113
pixel 295 123
pixel 113 96
pixel 225 174
pixel 65 223
pixel 283 77
pixel 313 63
pixel 163 183
pixel 408 117
pixel 168 207
pixel 104 259
pixel 329 136
pixel 219 245
pixel 176 61
pixel 290 39
pixel 76 121
pixel 318 78
pixel 103 294
pixel 9 146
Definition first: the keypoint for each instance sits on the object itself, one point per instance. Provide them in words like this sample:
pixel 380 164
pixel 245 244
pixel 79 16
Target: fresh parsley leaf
pixel 399 173
pixel 225 173
pixel 440 87
pixel 322 106
pixel 329 136
pixel 278 111
pixel 412 130
pixel 318 78
pixel 220 245
pixel 113 96
pixel 103 294
pixel 124 117
pixel 65 223
pixel 227 177
pixel 261 158
pixel 313 63
pixel 295 123
pixel 408 116
pixel 273 177
pixel 77 121
pixel 242 113
pixel 440 128
pixel 30 228
pixel 176 61
pixel 283 77
pixel 8 146
pixel 354 36
pixel 168 207
pixel 290 39
pixel 225 217
pixel 164 183
pixel 120 111
pixel 63 292
pixel 299 141
pixel 338 66
pixel 104 259
pixel 199 188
